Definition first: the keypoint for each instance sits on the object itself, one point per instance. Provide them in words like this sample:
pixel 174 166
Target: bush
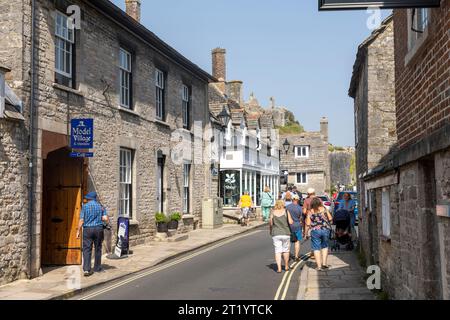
pixel 161 218
pixel 176 216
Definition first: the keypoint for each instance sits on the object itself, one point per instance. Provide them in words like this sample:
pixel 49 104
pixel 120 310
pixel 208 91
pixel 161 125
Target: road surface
pixel 240 269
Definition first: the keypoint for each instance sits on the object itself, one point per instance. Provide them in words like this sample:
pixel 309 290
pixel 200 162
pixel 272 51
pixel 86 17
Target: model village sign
pixel 386 4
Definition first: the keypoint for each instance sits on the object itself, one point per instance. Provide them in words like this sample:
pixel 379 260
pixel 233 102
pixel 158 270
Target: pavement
pixel 343 281
pixel 65 282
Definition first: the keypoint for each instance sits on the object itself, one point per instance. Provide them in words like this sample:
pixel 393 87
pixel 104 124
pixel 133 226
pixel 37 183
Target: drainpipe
pixel 31 141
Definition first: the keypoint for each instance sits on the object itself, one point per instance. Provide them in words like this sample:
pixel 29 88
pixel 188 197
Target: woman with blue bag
pixel 266 203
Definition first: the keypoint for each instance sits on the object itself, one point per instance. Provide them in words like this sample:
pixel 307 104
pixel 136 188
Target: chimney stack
pixel 219 68
pixel 3 72
pixel 133 9
pixel 324 128
pixel 235 91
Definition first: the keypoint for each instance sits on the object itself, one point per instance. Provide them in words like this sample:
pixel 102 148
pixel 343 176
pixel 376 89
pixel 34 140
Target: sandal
pixel 326 267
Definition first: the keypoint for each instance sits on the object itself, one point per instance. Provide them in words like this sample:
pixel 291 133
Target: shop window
pixel 230 188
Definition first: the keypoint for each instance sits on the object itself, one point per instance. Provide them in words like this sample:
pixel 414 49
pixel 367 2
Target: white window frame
pixel 186 105
pixel 126 183
pixel 125 78
pixel 160 93
pixel 64 44
pixel 385 213
pixel 186 187
pixel 301 180
pixel 302 154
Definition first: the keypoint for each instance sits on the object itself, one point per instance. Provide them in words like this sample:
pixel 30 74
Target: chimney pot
pixel 133 9
pixel 219 68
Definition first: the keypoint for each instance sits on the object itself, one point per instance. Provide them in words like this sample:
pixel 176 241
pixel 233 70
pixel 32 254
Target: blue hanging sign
pixel 81 154
pixel 82 134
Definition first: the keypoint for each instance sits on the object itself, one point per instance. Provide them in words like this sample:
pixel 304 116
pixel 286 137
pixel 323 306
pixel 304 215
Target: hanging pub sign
pixel 386 4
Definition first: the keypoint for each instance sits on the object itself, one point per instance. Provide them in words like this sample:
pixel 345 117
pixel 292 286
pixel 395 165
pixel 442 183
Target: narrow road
pixel 242 269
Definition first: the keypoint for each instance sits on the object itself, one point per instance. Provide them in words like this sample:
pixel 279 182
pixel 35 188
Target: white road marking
pixel 166 266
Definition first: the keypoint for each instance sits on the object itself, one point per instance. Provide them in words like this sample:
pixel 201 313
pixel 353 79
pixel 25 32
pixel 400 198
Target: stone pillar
pixel 219 70
pixel 133 9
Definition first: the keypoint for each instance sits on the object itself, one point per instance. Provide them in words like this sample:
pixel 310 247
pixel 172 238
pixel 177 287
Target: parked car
pixel 327 203
pixel 340 198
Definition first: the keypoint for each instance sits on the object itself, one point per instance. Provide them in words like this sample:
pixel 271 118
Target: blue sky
pixel 286 49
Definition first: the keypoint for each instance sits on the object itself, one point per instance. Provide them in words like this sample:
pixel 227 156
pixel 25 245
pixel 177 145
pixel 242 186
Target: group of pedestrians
pixel 290 223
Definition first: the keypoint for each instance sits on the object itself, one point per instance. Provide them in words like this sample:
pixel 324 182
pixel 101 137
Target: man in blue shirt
pixel 91 220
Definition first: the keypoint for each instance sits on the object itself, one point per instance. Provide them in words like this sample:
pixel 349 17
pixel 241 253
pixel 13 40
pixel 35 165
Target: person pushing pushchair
pixel 343 231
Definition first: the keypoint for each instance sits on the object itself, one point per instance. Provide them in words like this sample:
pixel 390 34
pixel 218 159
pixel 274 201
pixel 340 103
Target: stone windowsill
pixel 162 123
pixel 129 111
pixel 68 89
pixel 134 223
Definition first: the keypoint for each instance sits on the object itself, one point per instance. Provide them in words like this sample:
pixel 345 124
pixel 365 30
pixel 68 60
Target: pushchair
pixel 342 231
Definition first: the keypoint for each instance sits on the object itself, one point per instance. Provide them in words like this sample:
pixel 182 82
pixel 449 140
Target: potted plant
pixel 174 220
pixel 161 222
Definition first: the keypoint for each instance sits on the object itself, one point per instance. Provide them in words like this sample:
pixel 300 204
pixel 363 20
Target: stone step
pixel 178 238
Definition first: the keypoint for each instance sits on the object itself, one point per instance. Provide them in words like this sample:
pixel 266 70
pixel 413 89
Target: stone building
pixel 306 161
pixel 13 184
pixel 407 193
pixel 249 155
pixel 373 90
pixel 341 162
pixel 144 98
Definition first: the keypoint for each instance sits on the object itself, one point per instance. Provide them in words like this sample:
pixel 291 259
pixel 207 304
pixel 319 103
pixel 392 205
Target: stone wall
pixel 13 150
pixel 13 201
pixel 316 180
pixel 96 96
pixel 316 165
pixel 373 90
pixel 340 163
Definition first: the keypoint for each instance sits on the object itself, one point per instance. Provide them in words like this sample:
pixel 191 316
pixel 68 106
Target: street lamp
pixel 286 146
pixel 224 117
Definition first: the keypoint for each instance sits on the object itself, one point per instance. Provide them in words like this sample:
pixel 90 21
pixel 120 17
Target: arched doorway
pixel 61 206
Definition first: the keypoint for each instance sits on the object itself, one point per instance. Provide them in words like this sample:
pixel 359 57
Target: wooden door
pixel 61 207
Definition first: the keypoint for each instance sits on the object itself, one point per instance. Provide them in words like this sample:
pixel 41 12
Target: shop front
pixel 234 182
